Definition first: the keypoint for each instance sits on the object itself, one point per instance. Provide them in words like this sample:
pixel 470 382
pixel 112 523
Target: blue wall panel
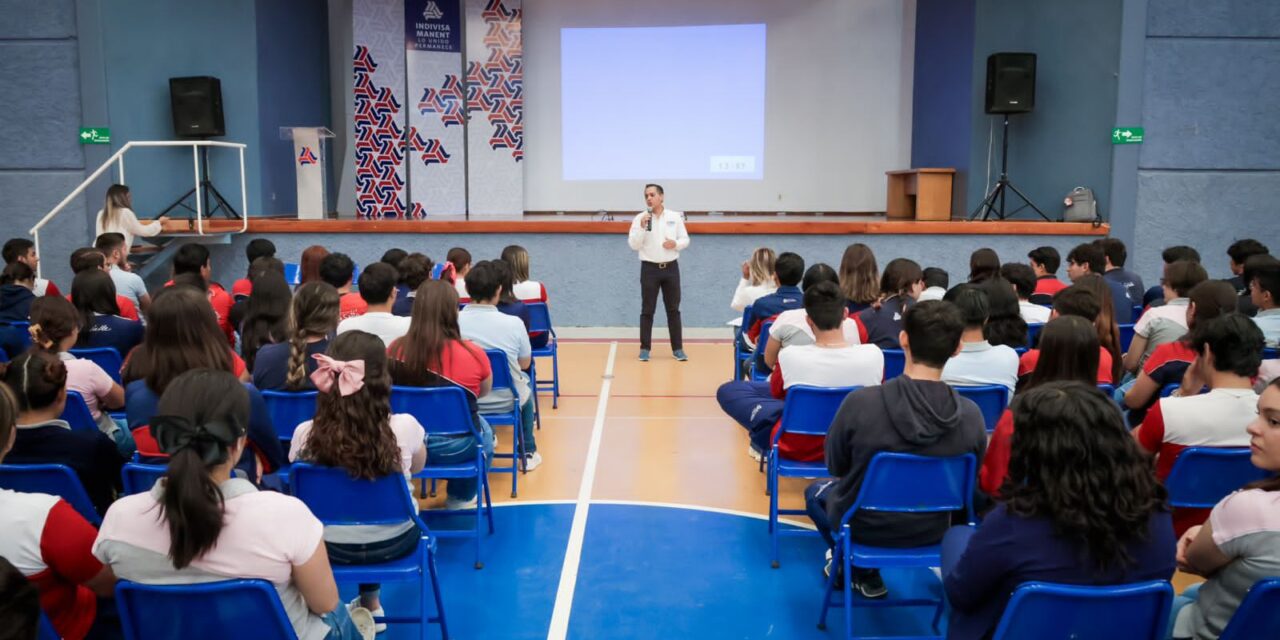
pixel 37 19
pixel 28 195
pixel 41 89
pixel 940 110
pixel 1214 18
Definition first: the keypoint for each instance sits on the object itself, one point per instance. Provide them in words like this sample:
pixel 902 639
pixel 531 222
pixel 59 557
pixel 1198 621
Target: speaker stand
pixel 204 191
pixel 994 203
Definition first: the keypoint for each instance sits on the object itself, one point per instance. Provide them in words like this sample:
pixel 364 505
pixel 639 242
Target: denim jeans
pixel 123 438
pixel 459 449
pixel 340 625
pixel 1190 595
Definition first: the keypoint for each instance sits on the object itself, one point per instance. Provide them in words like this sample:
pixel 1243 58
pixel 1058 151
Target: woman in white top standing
pixel 757 279
pixel 117 216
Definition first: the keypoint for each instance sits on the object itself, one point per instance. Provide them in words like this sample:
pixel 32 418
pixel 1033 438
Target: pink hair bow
pixel 348 374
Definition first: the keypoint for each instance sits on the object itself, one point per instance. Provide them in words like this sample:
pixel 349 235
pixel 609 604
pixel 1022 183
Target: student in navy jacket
pixel 900 285
pixel 94 295
pixel 788 270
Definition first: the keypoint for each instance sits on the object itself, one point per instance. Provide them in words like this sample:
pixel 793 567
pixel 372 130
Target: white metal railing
pixel 117 159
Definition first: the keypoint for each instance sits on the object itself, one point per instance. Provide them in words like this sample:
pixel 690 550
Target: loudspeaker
pixel 197 107
pixel 1011 82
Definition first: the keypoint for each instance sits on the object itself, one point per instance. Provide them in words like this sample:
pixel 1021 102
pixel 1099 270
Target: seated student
pixel 257 248
pixel 194 259
pixel 414 270
pixel 913 413
pixel 337 270
pixel 1229 350
pixel 49 542
pixel 1154 296
pixel 1069 352
pixel 983 263
pixel 936 282
pixel 309 264
pixel 482 323
pixel 86 258
pixel 1005 325
pixel 1023 280
pixel 354 429
pixel 1072 301
pixel 788 271
pixel 392 257
pixel 24 250
pixel 525 290
pixel 859 277
pixel 900 284
pixel 1239 252
pixel 378 289
pixel 792 328
pixel 1115 255
pixel 1264 288
pixel 128 285
pixel 259 268
pixel 1051 525
pixel 461 260
pixel 434 354
pixel 1240 543
pixel 285 366
pixel 757 279
pixel 507 302
pixel 203 523
pixel 15 292
pixel 1088 259
pixel 979 362
pixel 94 296
pixel 1108 329
pixel 1170 360
pixel 1168 322
pixel 266 315
pixel 1045 262
pixel 38 380
pixel 830 361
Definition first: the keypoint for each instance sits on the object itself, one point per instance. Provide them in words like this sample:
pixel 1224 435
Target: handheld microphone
pixel 648 223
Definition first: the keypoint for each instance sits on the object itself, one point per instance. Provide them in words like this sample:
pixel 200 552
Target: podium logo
pixel 307 156
pixel 432 12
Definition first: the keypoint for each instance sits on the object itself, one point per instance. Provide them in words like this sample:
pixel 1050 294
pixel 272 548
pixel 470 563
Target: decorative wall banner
pixel 378 99
pixel 436 140
pixel 495 106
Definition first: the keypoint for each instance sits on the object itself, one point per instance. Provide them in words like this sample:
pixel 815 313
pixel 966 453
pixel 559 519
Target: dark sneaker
pixel 869 585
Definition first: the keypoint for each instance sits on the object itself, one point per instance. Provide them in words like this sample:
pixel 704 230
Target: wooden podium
pixel 922 194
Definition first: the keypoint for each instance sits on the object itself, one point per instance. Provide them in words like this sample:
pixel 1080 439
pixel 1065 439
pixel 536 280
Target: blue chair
pixel 289 409
pixel 1270 353
pixel 1126 336
pixel 106 357
pixel 77 413
pixel 292 273
pixel 206 611
pixel 444 411
pixel 139 478
pixel 1109 389
pixel 741 354
pixel 540 321
pixel 337 499
pixel 53 479
pixel 16 337
pixel 1121 612
pixel 806 411
pixel 992 399
pixel 759 375
pixel 46 632
pixel 1203 476
pixel 900 483
pixel 1137 312
pixel 895 361
pixel 1033 333
pixel 1258 615
pixel 503 379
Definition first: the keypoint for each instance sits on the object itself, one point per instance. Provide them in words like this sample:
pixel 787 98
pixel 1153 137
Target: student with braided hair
pixel 285 366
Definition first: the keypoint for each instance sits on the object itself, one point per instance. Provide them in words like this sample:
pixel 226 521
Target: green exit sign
pixel 95 135
pixel 1126 135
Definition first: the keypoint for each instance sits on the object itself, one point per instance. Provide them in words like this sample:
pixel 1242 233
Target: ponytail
pixel 297 361
pixel 192 505
pixel 315 315
pixel 53 319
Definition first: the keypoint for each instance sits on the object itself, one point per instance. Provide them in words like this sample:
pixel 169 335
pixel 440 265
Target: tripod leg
pixel 1029 202
pixel 984 208
pixel 221 202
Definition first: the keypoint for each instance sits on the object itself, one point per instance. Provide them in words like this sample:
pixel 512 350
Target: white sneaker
pixel 363 621
pixel 532 460
pixel 458 505
pixel 755 455
pixel 378 627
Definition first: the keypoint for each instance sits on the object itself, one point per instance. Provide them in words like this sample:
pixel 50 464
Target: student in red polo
pixel 194 259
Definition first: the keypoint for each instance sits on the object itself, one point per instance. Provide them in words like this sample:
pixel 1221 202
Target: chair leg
pixel 488 500
pixel 826 597
pixel 435 590
pixel 479 508
pixel 773 514
pixel 555 378
pixel 847 563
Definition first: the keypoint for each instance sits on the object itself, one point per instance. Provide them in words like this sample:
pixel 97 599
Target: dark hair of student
pixel 936 277
pixel 414 270
pixel 1077 301
pixel 816 273
pixel 971 301
pixel 1265 270
pixel 315 315
pixel 899 276
pixel 377 281
pixel 516 256
pixel 1242 250
pixel 1068 351
pixel 506 279
pixel 93 292
pixel 1180 252
pixel 393 256
pixel 1005 325
pixel 182 334
pixel 8 415
pixel 19 603
pixel 15 248
pixel 191 258
pixel 199 419
pixel 983 264
pixel 1058 426
pixel 1234 340
pixel 268 264
pixel 259 248
pixel 933 330
pixel 824 303
pixel 86 258
pixel 266 316
pixel 432 326
pixel 108 242
pixel 337 269
pixel 859 274
pixel 1021 276
pixel 354 432
pixel 789 267
pixel 16 272
pixel 53 319
pixel 1210 299
pixel 460 258
pixel 309 264
pixel 483 280
pixel 1182 275
pixel 1047 257
pixel 190 279
pixel 1090 255
pixel 37 378
pixel 1113 249
pixel 1108 330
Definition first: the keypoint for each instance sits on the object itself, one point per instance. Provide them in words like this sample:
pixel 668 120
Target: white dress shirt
pixel 669 225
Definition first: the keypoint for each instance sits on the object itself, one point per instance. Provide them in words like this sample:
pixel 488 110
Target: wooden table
pixel 922 194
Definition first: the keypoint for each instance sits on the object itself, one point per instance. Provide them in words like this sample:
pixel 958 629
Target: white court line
pixel 559 628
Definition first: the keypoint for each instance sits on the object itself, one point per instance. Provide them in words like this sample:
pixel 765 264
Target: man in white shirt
pixel 24 251
pixel 978 363
pixel 1023 279
pixel 658 234
pixel 378 289
pixel 1167 322
pixel 128 284
pixel 936 281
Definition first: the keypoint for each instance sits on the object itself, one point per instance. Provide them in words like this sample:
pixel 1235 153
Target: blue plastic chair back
pixel 762 342
pixel 539 317
pixel 895 361
pixel 47 632
pixel 16 336
pixel 292 273
pixel 1137 312
pixel 208 611
pixel 442 411
pixel 336 498
pixel 1270 353
pixel 809 410
pixel 1109 389
pixel 992 399
pixel 502 378
pixel 289 409
pixel 1126 336
pixel 77 413
pixel 1033 333
pixel 106 357
pixel 1203 476
pixel 53 479
pixel 1168 389
pixel 907 483
pixel 139 478
pixel 1122 612
pixel 1258 615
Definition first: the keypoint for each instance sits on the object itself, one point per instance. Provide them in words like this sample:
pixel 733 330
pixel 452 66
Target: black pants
pixel 653 278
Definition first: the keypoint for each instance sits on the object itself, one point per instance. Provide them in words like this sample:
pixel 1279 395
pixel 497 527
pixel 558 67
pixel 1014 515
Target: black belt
pixel 660 265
